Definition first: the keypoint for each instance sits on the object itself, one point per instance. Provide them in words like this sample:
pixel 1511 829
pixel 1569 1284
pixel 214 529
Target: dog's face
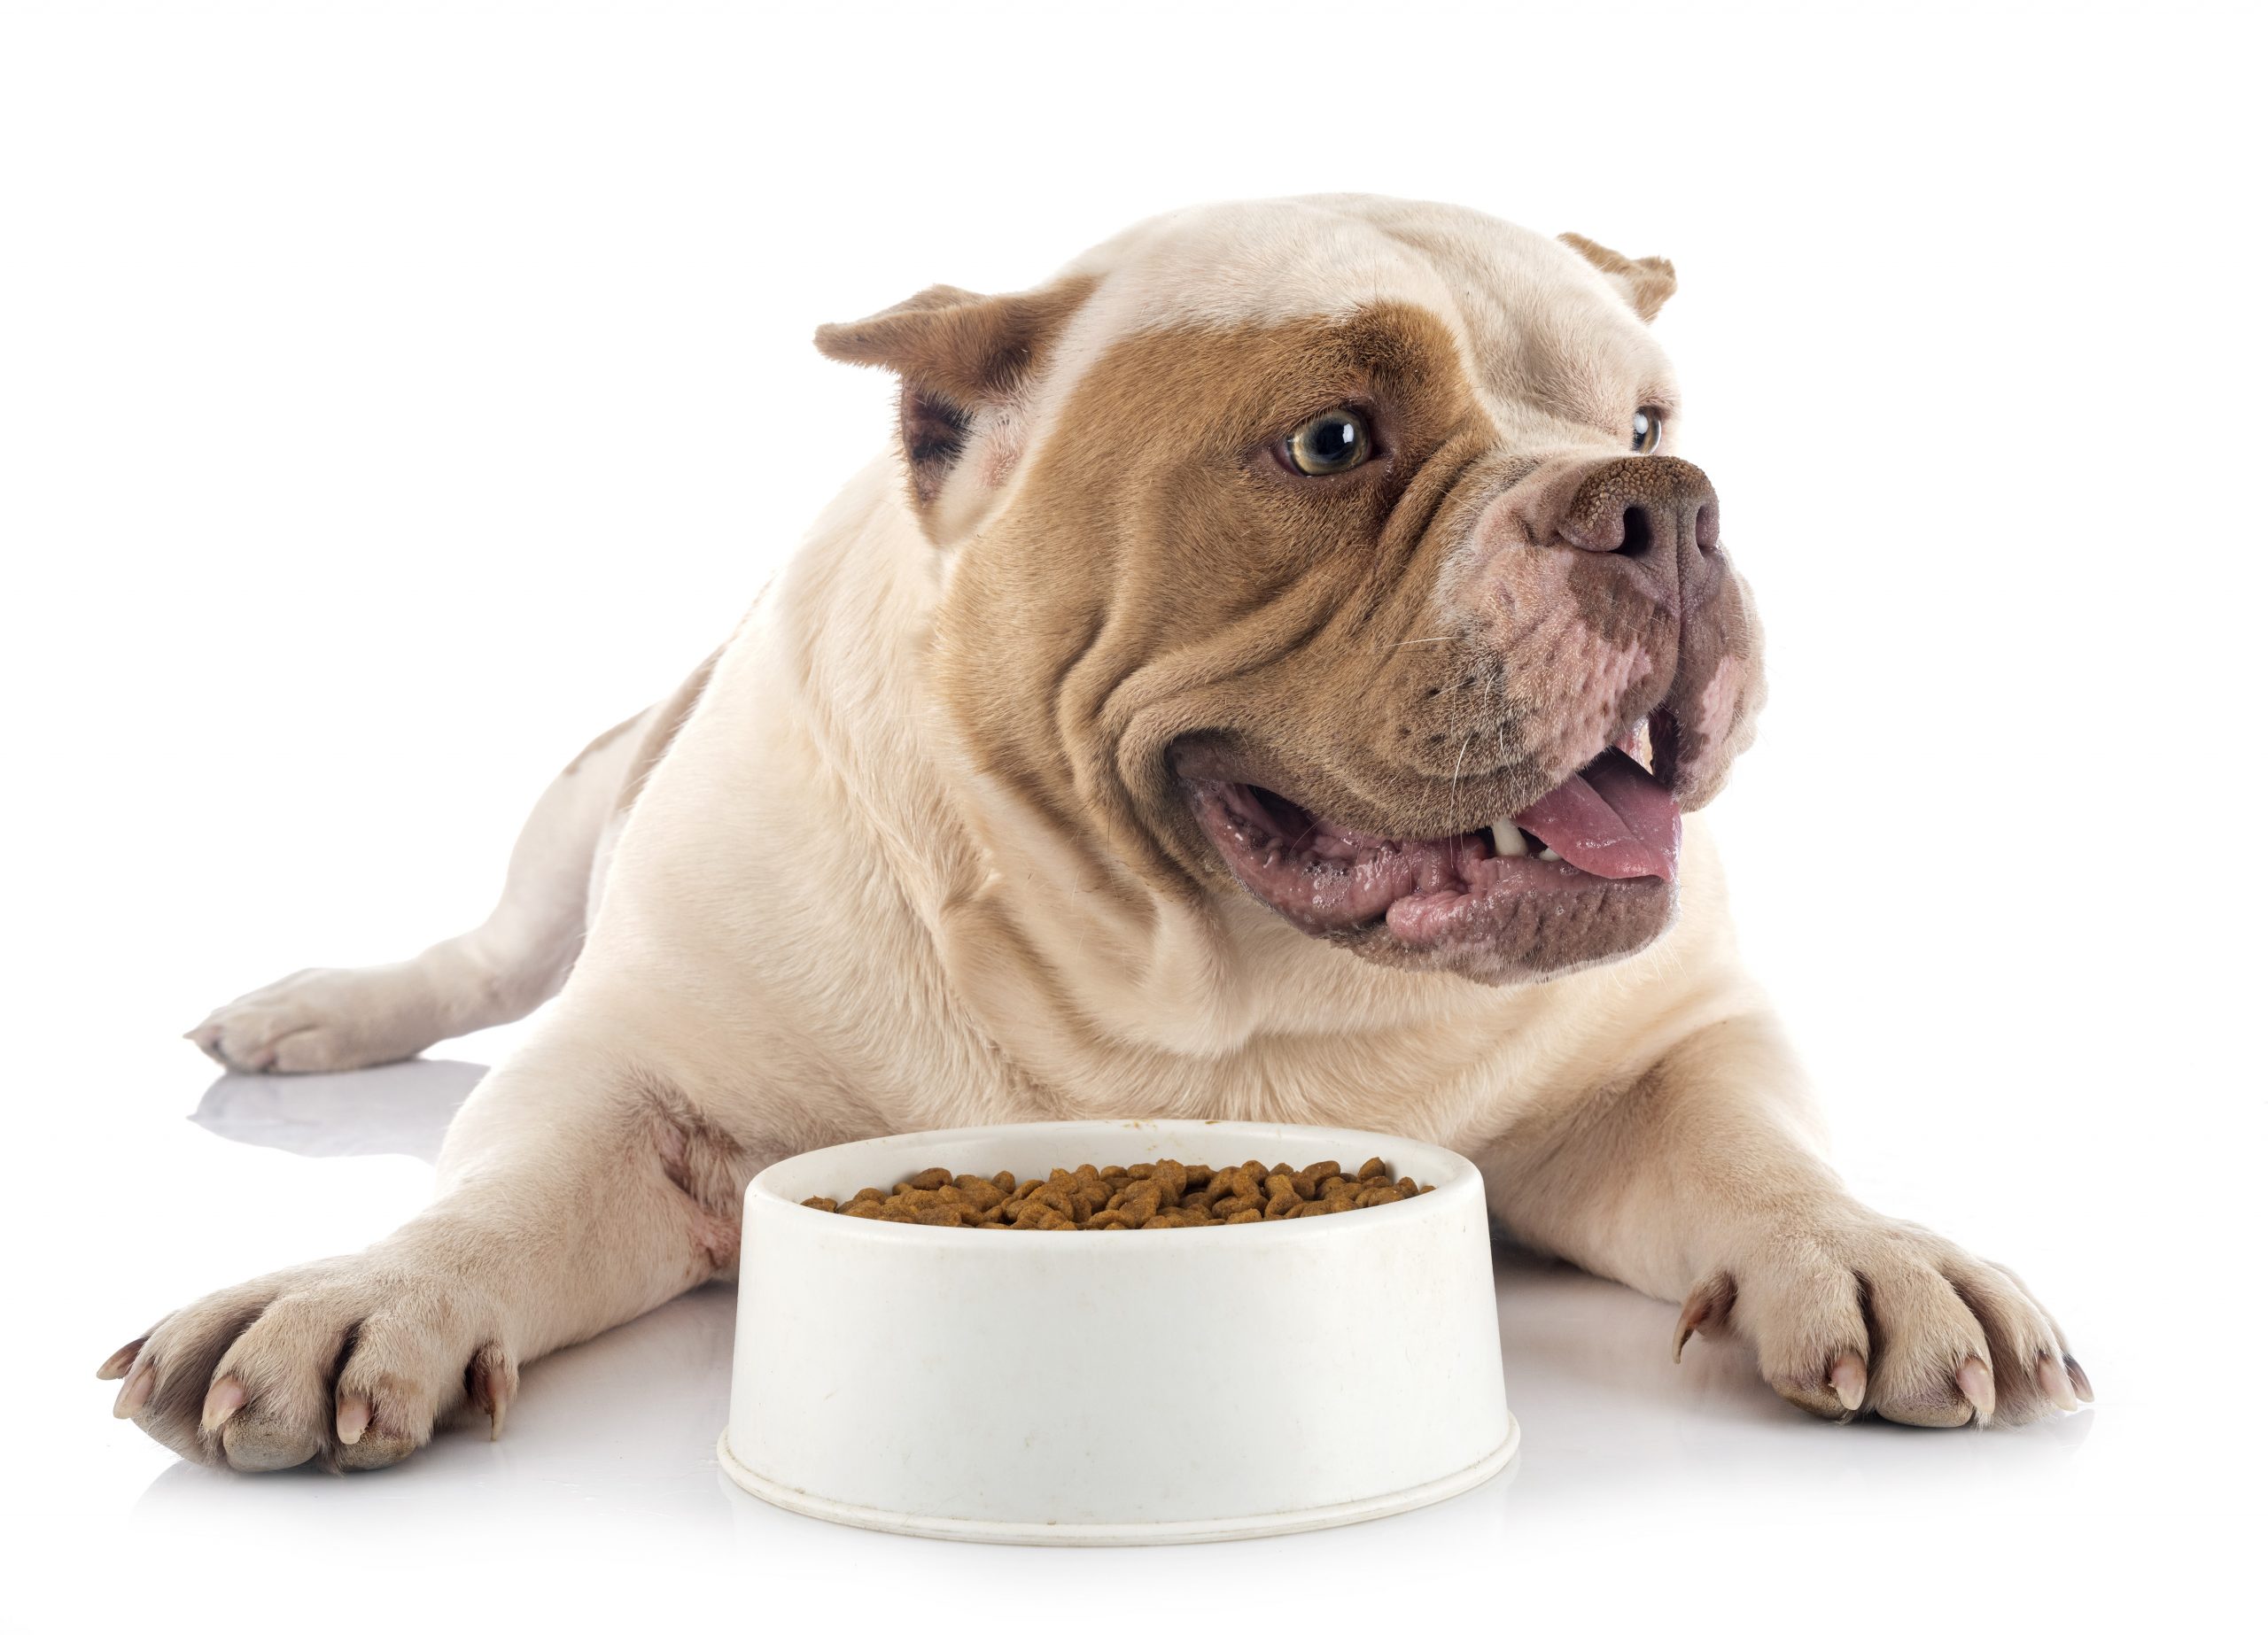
pixel 1332 552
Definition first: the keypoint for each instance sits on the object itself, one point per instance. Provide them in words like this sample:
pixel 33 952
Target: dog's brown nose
pixel 1654 508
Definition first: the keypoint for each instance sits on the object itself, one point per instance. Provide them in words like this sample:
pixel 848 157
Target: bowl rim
pixel 1460 1184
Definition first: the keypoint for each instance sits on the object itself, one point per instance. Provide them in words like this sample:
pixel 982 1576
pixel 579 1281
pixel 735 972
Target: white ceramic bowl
pixel 1114 1387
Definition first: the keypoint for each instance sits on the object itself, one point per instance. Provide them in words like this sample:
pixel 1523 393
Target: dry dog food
pixel 1114 1198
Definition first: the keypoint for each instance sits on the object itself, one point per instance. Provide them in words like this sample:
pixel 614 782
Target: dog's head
pixel 1334 551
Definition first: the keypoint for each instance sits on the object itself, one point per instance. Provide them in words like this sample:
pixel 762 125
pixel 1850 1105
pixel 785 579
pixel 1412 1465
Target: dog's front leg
pixel 579 1188
pixel 1701 1182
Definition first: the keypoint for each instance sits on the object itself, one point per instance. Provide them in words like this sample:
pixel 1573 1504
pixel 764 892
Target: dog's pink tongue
pixel 1610 820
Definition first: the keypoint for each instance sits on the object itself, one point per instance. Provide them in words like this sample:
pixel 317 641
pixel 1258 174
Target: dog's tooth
pixel 1548 855
pixel 1509 842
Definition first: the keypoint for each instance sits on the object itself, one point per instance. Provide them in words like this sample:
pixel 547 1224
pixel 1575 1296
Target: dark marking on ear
pixel 933 432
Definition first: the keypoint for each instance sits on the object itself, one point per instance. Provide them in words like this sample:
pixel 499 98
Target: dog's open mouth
pixel 1610 831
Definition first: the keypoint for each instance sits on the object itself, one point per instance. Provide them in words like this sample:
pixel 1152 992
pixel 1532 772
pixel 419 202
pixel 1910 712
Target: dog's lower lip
pixel 1609 828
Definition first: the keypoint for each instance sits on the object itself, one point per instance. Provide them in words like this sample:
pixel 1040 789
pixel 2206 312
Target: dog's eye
pixel 1645 431
pixel 1337 441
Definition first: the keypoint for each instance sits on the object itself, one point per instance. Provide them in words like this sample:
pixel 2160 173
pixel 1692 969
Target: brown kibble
pixel 1114 1198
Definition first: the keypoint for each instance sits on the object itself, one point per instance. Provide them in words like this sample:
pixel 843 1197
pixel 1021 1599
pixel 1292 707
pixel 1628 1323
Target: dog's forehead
pixel 1538 327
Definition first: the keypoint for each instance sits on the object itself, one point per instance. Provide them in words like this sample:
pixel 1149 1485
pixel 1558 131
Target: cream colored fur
pixel 786 952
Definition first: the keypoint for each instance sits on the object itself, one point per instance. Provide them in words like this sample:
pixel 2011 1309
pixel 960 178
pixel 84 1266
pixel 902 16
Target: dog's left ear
pixel 1645 284
pixel 962 362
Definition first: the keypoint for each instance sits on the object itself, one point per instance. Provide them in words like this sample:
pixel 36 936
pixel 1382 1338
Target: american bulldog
pixel 1272 676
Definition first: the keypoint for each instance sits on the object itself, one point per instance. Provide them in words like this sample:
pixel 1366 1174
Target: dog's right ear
pixel 962 362
pixel 1645 282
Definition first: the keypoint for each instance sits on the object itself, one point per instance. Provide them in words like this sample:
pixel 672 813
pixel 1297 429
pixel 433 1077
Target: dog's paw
pixel 348 1363
pixel 1868 1314
pixel 325 1021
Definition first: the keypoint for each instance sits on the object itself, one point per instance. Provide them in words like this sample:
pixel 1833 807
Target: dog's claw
pixel 135 1392
pixel 226 1396
pixel 353 1419
pixel 1704 1311
pixel 1848 1377
pixel 2056 1384
pixel 1974 1379
pixel 2080 1382
pixel 493 1381
pixel 118 1362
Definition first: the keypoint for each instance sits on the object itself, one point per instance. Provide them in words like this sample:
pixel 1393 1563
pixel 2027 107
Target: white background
pixel 392 397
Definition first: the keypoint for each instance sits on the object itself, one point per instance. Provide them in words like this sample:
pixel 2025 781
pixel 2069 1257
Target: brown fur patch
pixel 1162 577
